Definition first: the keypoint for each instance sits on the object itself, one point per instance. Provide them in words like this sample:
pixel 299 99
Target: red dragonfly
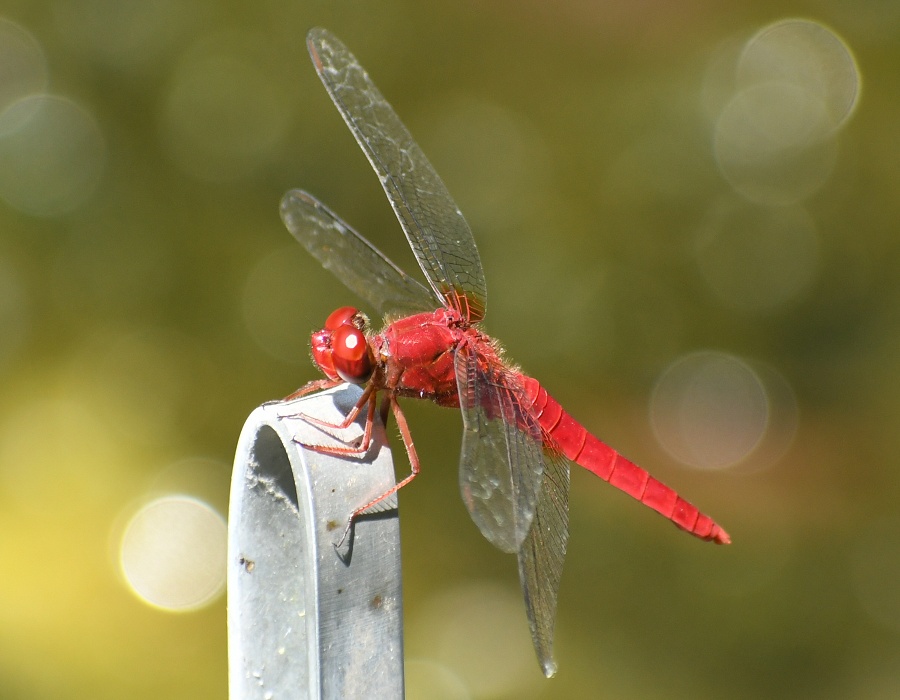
pixel 517 440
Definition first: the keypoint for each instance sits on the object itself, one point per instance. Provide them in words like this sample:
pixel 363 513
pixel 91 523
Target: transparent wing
pixel 353 260
pixel 541 556
pixel 501 463
pixel 434 225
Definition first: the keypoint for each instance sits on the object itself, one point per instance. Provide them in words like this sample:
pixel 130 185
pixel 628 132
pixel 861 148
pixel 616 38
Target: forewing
pixel 501 462
pixel 434 225
pixel 541 556
pixel 351 258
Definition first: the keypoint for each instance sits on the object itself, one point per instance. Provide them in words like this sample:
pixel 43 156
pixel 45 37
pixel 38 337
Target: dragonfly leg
pixel 312 420
pixel 369 397
pixel 385 410
pixel 316 385
pixel 413 464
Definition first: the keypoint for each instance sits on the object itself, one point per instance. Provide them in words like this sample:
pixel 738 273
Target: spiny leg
pixel 391 402
pixel 385 410
pixel 369 396
pixel 308 388
pixel 312 420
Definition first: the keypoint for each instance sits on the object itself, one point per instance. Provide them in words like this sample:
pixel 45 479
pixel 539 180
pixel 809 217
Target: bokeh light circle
pixel 172 553
pixel 808 55
pixel 773 143
pixel 709 410
pixel 795 85
pixel 52 154
pixel 783 421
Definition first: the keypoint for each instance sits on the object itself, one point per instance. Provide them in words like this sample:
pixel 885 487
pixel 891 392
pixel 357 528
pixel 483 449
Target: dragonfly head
pixel 341 350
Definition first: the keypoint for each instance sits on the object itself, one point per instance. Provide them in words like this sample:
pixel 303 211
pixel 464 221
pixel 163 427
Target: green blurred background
pixel 689 243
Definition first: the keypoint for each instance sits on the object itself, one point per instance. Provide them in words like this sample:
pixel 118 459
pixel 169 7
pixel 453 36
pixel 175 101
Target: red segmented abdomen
pixel 578 445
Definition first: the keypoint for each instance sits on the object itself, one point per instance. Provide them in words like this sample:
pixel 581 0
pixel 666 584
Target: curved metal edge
pixel 305 619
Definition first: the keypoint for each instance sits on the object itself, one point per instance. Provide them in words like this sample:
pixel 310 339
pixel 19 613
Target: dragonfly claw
pixel 344 534
pixel 344 553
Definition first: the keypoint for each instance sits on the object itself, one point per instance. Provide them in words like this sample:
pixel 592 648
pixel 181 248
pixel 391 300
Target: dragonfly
pixel 517 440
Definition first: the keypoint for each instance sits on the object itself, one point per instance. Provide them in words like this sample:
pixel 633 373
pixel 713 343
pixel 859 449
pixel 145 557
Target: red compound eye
pixel 340 317
pixel 350 354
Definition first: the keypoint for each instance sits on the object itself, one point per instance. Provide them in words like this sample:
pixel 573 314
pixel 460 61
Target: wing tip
pixel 549 667
pixel 314 40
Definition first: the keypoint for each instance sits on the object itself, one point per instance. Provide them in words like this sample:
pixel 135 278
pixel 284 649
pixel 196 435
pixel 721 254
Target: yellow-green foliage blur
pixel 688 218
